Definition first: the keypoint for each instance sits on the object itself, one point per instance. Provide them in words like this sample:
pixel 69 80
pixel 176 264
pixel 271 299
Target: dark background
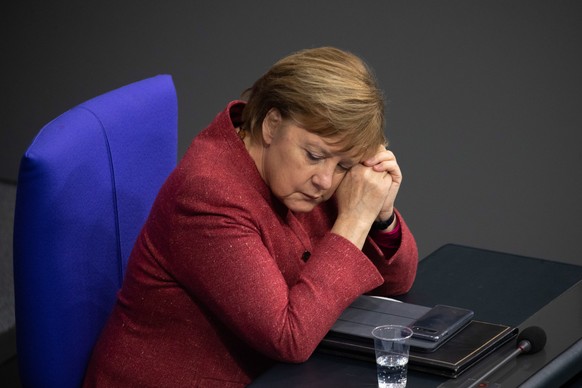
pixel 485 111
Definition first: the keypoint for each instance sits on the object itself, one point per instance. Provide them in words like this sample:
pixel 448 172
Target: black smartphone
pixel 440 321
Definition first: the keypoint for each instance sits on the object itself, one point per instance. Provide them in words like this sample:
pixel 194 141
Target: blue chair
pixel 85 187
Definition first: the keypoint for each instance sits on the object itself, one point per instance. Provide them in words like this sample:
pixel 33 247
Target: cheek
pixel 287 171
pixel 286 180
pixel 295 178
pixel 294 171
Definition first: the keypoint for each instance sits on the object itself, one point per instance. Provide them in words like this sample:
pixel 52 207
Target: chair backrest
pixel 85 187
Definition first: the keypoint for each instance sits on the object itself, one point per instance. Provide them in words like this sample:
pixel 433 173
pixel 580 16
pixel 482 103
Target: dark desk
pixel 499 287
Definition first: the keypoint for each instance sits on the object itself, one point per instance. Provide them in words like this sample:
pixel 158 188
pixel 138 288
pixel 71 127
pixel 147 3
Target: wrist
pixel 353 229
pixel 384 225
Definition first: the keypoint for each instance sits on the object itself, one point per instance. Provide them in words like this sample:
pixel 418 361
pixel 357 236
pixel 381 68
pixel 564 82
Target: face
pixel 302 169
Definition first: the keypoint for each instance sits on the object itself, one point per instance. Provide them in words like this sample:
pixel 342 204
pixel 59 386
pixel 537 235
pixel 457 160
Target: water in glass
pixel 391 371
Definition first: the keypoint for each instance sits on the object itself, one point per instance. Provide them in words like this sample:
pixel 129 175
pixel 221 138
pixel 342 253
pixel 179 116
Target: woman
pixel 279 215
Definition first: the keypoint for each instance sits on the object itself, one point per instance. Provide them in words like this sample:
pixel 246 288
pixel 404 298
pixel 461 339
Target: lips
pixel 313 197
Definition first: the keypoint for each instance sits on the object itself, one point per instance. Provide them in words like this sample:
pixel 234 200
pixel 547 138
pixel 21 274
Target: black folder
pixel 351 337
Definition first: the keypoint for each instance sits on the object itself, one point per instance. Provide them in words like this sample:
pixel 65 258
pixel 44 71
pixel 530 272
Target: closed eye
pixel 340 167
pixel 313 157
pixel 343 168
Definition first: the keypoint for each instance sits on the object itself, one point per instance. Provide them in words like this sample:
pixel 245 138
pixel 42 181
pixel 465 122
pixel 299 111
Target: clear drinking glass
pixel 392 349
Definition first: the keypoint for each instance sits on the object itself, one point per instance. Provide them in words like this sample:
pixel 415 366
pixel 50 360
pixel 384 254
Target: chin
pixel 301 206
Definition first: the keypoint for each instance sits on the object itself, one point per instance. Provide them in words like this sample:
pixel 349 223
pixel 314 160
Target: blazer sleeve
pixel 218 253
pixel 398 269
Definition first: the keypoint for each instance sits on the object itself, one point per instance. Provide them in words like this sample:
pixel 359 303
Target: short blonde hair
pixel 327 91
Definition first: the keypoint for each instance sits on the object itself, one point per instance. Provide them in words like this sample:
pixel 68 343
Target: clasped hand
pixel 369 189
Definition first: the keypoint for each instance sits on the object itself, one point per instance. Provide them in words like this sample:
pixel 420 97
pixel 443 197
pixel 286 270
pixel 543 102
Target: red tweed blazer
pixel 218 287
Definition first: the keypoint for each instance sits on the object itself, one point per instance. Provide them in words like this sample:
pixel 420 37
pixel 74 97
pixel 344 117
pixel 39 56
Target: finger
pixel 378 156
pixel 382 156
pixel 389 166
pixel 391 169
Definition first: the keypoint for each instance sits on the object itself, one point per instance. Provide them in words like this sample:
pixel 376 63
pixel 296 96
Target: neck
pixel 256 151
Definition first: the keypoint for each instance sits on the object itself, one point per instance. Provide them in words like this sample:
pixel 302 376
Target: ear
pixel 271 124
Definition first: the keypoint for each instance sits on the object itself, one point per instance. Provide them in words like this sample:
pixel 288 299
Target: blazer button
pixel 306 255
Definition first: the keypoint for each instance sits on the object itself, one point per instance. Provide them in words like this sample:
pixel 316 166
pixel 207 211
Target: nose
pixel 323 178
